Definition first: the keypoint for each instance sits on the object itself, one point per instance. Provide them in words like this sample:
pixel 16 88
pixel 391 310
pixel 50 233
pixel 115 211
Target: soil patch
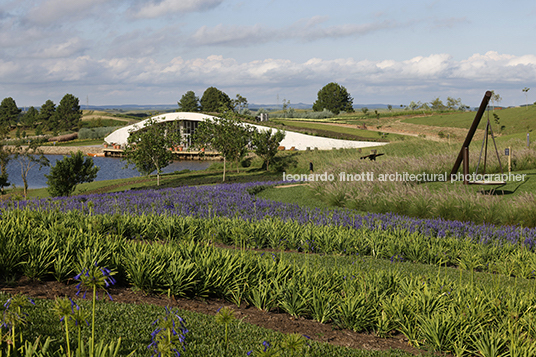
pixel 273 320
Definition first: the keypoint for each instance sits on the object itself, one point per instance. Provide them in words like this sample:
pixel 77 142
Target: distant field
pixel 515 120
pixel 326 129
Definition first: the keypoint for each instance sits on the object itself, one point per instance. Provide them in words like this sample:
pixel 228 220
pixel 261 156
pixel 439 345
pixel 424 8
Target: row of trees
pixel 332 97
pixel 65 116
pixel 147 147
pixel 212 101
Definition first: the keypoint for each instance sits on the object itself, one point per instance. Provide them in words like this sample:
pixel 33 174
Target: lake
pixel 110 169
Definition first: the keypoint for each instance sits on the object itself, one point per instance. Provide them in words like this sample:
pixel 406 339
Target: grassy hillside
pixel 515 120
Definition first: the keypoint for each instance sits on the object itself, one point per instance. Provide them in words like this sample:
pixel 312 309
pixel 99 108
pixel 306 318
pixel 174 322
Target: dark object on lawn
pixel 372 157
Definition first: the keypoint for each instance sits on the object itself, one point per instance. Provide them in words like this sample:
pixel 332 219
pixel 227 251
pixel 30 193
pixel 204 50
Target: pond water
pixel 110 169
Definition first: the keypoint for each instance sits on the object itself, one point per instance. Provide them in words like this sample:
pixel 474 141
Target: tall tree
pixel 5 157
pixel 266 143
pixel 47 115
pixel 69 173
pixel 28 157
pixel 526 91
pixel 334 98
pixel 239 104
pixel 226 134
pixel 437 104
pixel 68 112
pixel 9 114
pixel 189 102
pixel 30 117
pixel 148 147
pixel 215 101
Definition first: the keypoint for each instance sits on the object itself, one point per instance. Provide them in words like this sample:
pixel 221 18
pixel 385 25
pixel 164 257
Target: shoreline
pixel 66 150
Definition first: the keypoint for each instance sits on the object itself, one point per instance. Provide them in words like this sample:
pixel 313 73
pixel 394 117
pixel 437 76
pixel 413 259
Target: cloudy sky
pixel 153 51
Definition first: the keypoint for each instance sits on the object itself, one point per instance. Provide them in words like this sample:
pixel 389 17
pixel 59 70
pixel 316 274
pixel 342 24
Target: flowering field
pixel 235 201
pixel 60 238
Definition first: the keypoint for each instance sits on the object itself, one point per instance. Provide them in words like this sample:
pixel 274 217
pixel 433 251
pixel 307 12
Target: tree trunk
pixel 223 169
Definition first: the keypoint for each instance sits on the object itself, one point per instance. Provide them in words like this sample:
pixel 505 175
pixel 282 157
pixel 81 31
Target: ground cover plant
pixel 118 230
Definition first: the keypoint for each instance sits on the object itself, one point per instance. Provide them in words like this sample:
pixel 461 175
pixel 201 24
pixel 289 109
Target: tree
pixel 9 114
pixel 239 104
pixel 495 98
pixel 5 157
pixel 148 147
pixel 28 157
pixel 213 100
pixel 30 117
pixel 526 90
pixel 452 103
pixel 437 104
pixel 47 115
pixel 226 134
pixel 334 98
pixel 68 113
pixel 266 143
pixel 189 102
pixel 70 172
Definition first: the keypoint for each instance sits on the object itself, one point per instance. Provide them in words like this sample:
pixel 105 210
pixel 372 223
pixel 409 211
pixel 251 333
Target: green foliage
pixel 215 101
pixel 148 147
pixel 70 172
pixel 68 113
pixel 266 143
pixel 30 117
pixel 47 115
pixel 225 134
pixel 9 115
pixel 189 102
pixel 334 98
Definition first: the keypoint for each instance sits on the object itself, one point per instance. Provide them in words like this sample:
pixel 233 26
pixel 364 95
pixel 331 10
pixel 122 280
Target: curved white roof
pixel 292 139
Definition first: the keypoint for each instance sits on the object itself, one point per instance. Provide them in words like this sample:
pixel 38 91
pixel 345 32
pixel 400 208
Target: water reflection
pixel 110 169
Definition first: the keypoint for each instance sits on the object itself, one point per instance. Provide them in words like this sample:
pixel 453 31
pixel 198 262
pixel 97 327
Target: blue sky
pixel 153 51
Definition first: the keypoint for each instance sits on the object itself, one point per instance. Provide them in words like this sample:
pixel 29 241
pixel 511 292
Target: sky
pixel 116 52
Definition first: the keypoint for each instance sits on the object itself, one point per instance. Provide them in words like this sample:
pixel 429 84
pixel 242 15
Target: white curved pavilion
pixel 188 122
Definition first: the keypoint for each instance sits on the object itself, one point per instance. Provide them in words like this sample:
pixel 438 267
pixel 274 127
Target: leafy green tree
pixel 47 115
pixel 189 102
pixel 334 98
pixel 266 143
pixel 239 104
pixel 148 147
pixel 70 172
pixel 5 157
pixel 28 157
pixel 437 104
pixel 453 103
pixel 213 100
pixel 30 117
pixel 9 114
pixel 68 113
pixel 226 134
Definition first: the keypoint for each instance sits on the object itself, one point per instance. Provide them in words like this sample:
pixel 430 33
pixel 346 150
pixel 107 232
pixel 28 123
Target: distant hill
pixel 173 107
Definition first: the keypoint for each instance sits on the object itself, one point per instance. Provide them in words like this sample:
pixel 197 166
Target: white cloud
pixel 51 11
pixel 303 30
pixel 155 8
pixel 419 77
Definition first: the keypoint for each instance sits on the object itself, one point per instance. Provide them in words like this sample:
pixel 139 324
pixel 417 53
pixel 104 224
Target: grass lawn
pixel 515 120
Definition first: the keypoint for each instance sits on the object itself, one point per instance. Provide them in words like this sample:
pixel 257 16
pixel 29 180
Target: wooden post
pixel 509 159
pixel 465 165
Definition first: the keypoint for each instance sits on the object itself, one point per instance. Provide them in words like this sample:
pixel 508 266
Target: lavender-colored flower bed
pixel 234 200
